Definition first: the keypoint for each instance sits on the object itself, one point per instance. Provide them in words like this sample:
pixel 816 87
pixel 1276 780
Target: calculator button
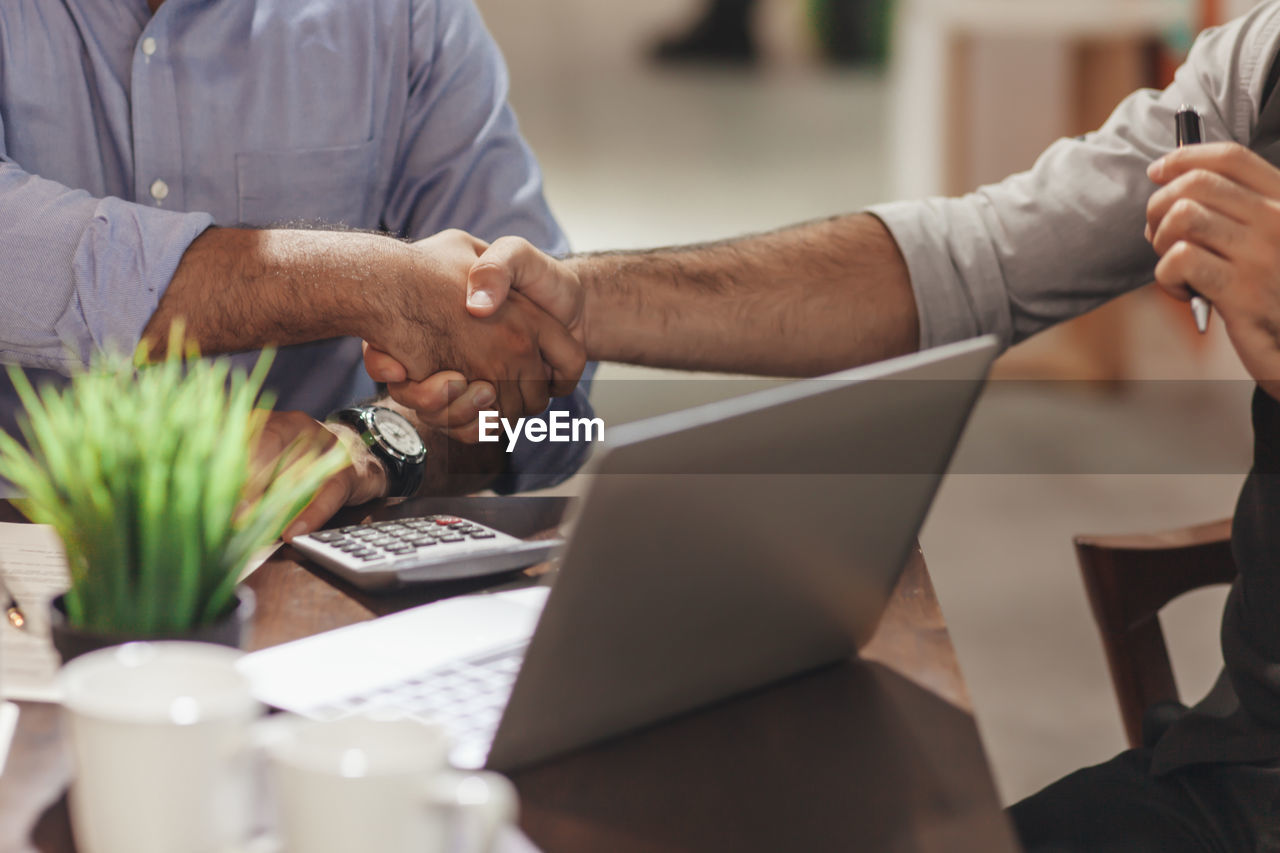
pixel 326 535
pixel 453 539
pixel 448 520
pixel 481 534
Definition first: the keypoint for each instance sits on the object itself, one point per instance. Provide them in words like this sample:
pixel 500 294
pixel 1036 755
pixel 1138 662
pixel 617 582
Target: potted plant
pixel 147 473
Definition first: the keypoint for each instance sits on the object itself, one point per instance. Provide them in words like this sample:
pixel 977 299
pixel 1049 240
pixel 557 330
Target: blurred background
pixel 676 121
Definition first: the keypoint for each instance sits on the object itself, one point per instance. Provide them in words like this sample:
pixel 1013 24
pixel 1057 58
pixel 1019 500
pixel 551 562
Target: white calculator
pixel 383 554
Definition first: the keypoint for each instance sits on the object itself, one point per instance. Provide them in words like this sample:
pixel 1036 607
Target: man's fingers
pixel 1188 265
pixel 1191 221
pixel 270 444
pixel 464 412
pixel 362 480
pixel 446 401
pixel 453 239
pixel 535 393
pixel 511 402
pixel 332 497
pixel 1229 159
pixel 1209 189
pixel 564 355
pixel 431 397
pixel 467 433
pixel 514 263
pixel 382 367
pixel 280 430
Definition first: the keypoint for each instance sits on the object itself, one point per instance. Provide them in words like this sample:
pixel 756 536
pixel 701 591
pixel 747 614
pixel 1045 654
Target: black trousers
pixel 1119 807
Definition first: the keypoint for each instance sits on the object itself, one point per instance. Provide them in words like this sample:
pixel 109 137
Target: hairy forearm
pixel 238 289
pixel 804 300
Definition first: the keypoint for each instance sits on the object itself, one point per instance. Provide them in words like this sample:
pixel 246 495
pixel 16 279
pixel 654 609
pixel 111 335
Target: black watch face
pixel 397 432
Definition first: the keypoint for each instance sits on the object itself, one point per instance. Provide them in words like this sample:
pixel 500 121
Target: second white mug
pixel 370 784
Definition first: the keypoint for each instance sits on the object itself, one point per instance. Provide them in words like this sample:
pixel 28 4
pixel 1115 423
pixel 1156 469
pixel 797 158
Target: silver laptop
pixel 715 550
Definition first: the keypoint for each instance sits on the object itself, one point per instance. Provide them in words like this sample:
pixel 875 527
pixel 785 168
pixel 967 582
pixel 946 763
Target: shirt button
pixel 148 46
pixel 159 190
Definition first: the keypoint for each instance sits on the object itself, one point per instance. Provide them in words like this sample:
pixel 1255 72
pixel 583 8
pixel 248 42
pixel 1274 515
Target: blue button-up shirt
pixel 124 135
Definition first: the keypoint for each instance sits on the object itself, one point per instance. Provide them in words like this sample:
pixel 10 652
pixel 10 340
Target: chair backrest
pixel 1129 579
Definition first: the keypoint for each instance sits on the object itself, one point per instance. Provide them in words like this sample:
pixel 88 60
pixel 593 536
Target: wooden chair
pixel 1129 578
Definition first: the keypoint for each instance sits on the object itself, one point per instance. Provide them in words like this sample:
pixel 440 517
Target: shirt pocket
pixel 313 186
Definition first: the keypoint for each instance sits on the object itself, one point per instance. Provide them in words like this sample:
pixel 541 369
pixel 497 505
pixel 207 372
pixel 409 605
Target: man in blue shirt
pixel 151 150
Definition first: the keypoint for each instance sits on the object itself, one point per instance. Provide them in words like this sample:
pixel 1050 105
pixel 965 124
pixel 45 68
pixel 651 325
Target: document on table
pixel 34 568
pixel 35 571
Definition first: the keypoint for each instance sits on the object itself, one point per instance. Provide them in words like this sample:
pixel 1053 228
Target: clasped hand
pixel 516 337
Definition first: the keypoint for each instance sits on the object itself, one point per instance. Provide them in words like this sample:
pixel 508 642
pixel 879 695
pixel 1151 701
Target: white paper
pixel 34 568
pixel 8 725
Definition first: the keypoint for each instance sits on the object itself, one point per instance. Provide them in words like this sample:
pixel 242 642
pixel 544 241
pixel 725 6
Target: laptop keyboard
pixel 467 697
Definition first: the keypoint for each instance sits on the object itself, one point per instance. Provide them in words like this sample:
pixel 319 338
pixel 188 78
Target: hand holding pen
pixel 1214 222
pixel 1189 130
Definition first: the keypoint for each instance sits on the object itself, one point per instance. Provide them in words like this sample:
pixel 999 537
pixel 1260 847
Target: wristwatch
pixel 395 442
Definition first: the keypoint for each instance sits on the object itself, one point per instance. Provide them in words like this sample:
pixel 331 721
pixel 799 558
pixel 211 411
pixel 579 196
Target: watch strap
pixel 404 476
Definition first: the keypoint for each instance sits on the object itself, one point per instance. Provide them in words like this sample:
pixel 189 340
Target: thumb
pixel 488 284
pixel 513 263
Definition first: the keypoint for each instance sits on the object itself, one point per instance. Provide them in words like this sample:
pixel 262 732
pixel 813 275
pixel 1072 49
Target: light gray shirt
pixel 1053 242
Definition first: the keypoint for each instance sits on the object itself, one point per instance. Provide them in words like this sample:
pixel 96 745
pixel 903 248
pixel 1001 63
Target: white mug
pixel 159 733
pixel 377 784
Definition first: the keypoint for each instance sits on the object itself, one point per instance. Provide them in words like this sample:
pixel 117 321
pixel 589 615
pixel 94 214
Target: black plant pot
pixel 230 630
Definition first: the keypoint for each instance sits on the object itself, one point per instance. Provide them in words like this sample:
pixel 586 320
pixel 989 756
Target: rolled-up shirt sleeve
pixel 1053 242
pixel 81 273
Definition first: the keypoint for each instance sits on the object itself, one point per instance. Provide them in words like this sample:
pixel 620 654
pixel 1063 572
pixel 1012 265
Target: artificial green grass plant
pixel 146 472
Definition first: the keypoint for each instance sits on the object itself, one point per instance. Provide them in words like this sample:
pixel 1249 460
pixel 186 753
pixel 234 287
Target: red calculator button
pixel 447 519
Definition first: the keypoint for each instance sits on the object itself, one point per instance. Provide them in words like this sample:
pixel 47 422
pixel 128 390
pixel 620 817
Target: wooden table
pixel 879 754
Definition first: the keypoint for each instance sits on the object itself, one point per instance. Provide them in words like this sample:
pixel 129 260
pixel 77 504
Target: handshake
pixel 481 327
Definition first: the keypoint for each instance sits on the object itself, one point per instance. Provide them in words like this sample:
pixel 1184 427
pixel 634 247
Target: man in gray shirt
pixel 1094 218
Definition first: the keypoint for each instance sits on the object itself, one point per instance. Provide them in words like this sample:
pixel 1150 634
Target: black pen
pixel 12 611
pixel 1189 129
